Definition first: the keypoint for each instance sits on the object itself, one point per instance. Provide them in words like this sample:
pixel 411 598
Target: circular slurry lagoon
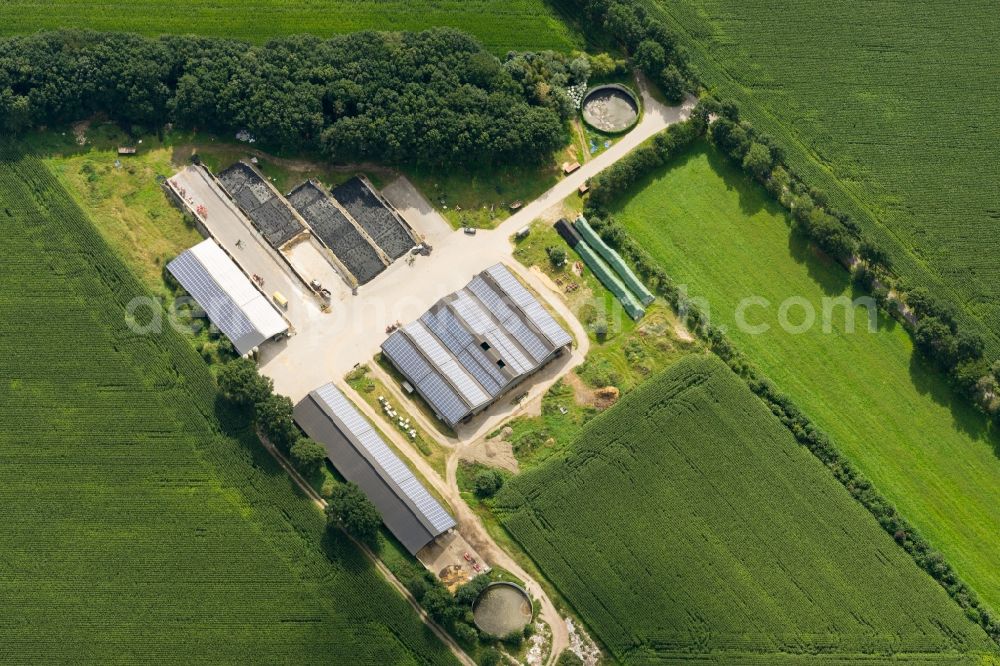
pixel 610 108
pixel 502 608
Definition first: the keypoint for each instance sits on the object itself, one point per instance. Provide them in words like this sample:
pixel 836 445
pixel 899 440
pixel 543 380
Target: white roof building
pixel 232 302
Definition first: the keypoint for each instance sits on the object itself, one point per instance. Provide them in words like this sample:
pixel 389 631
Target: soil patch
pixel 493 452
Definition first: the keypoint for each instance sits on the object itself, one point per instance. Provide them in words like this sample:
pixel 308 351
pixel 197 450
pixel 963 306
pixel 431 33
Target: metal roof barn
pixel 475 344
pixel 361 456
pixel 232 303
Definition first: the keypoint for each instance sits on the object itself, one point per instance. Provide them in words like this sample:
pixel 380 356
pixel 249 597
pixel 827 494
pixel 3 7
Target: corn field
pixel 143 523
pixel 686 523
pixel 518 25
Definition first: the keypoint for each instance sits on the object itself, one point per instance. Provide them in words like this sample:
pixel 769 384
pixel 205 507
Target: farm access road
pixel 331 345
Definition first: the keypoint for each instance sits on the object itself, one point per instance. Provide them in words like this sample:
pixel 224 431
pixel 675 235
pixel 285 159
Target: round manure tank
pixel 610 108
pixel 502 608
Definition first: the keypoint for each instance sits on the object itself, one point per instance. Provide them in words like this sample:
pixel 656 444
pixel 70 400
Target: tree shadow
pixel 826 272
pixel 929 381
pixel 339 548
pixel 236 423
pixel 752 199
pixel 698 149
pixel 885 323
pixel 832 278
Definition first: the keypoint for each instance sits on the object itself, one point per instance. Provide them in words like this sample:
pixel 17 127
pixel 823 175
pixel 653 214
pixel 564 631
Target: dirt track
pixel 303 485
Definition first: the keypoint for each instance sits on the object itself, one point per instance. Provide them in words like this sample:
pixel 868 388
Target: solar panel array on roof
pixel 442 397
pixel 229 299
pixel 513 325
pixel 469 352
pixel 362 457
pixel 472 393
pixel 393 469
pixel 474 344
pixel 542 320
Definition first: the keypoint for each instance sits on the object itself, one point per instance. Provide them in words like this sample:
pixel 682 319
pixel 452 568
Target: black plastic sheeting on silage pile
pixel 568 233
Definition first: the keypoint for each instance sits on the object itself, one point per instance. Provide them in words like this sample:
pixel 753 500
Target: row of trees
pixel 347 507
pixel 757 154
pixel 956 350
pixel 820 444
pixel 619 178
pixel 434 97
pixel 240 382
pixel 939 335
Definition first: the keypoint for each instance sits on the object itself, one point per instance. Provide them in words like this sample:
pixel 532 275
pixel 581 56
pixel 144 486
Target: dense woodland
pixel 434 97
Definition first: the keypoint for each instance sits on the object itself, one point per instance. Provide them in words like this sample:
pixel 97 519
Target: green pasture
pixel 926 450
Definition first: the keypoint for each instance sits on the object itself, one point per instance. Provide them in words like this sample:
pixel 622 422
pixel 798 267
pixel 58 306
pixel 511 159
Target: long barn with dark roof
pixel 475 344
pixel 361 456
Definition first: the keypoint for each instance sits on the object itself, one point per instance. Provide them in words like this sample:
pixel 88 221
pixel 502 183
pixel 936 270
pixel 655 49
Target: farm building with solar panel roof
pixel 229 299
pixel 361 455
pixel 475 344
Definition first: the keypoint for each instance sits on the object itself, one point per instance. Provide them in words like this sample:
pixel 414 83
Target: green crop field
pixel 142 521
pixel 502 25
pixel 687 524
pixel 928 452
pixel 897 125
